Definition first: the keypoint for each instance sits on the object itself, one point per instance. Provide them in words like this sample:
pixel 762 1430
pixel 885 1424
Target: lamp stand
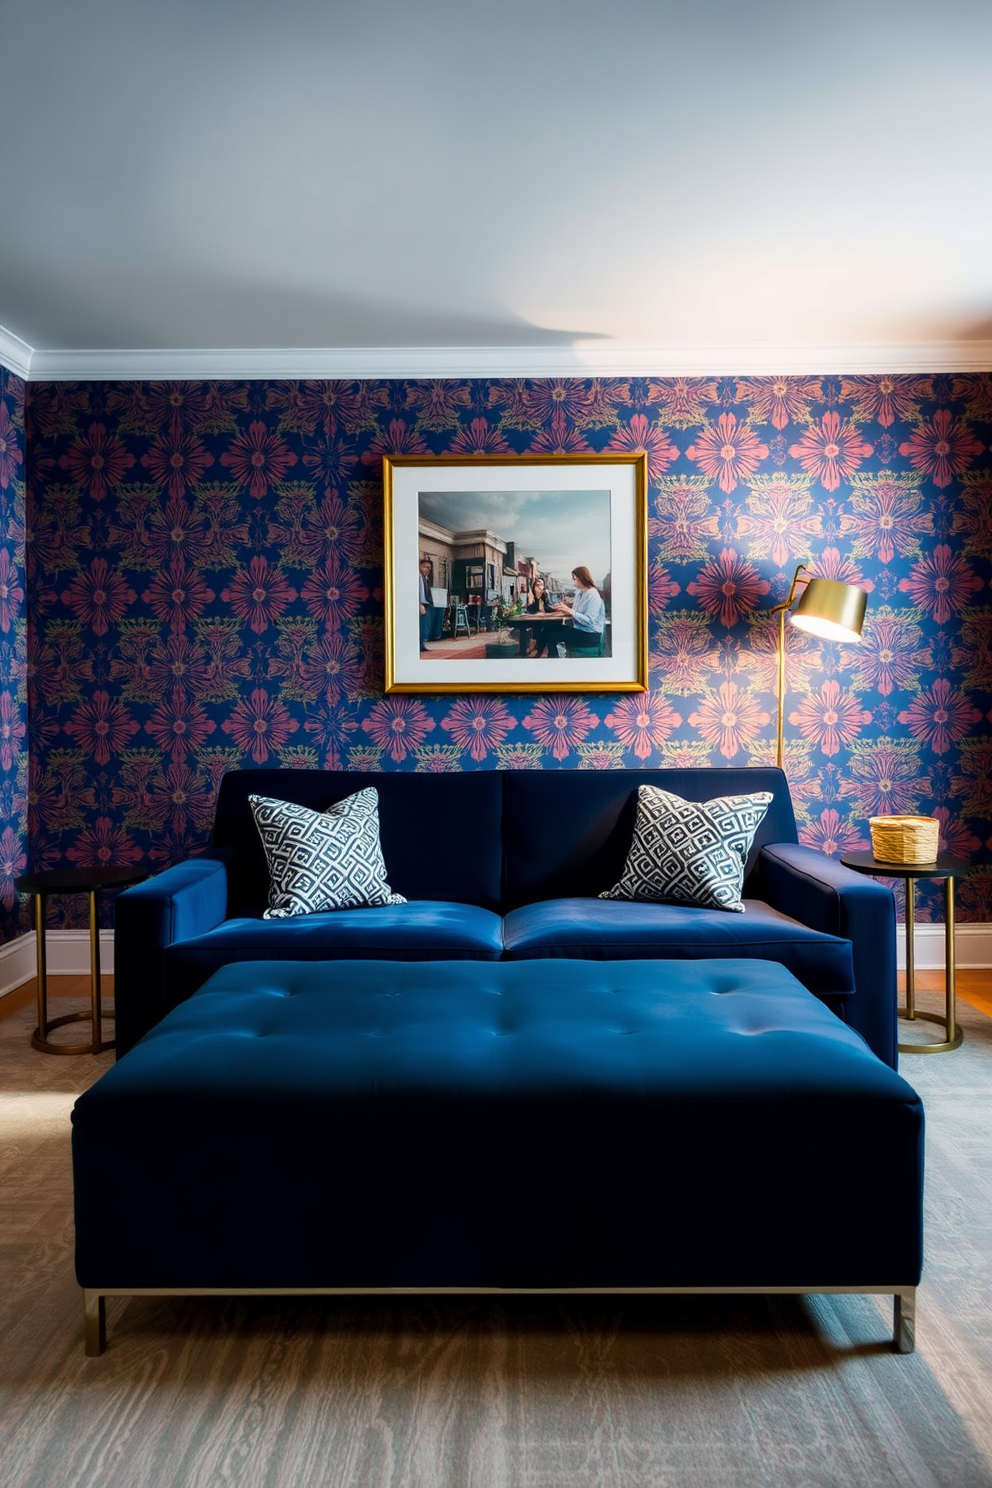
pixel 781 610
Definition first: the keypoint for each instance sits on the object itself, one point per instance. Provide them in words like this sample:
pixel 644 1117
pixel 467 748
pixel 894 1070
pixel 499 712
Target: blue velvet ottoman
pixel 449 1126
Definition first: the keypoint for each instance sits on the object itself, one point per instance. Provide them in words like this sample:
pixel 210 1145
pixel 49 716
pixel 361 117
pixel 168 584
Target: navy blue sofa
pixel 507 866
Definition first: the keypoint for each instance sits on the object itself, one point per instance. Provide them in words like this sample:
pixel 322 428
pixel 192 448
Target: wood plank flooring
pixel 703 1392
pixel 58 986
pixel 974 986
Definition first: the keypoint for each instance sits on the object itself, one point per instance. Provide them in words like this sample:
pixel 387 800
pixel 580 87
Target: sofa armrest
pixel 184 901
pixel 823 894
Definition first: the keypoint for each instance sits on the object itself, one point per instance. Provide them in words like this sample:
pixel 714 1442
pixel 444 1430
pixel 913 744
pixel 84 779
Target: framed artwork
pixel 543 563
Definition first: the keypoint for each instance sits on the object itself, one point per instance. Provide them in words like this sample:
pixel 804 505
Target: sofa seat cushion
pixel 498 1124
pixel 619 930
pixel 423 930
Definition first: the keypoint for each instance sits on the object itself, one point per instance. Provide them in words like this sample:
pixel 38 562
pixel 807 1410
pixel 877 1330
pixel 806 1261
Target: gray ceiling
pixel 291 173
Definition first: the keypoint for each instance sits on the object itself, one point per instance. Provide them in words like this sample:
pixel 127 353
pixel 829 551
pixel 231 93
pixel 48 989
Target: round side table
pixel 73 881
pixel 948 869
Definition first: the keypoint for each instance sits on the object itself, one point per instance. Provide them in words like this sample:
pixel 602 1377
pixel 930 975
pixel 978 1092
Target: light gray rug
pixel 675 1393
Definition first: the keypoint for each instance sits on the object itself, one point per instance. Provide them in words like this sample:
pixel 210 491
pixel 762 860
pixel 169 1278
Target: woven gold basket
pixel 904 839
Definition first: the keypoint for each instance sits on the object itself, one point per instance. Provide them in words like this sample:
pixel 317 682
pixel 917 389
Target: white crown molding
pixel 594 359
pixel 15 354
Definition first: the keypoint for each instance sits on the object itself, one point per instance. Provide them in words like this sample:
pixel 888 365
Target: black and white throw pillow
pixel 690 851
pixel 321 860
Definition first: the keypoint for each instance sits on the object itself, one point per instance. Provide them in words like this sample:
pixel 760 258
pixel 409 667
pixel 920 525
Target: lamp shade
pixel 831 610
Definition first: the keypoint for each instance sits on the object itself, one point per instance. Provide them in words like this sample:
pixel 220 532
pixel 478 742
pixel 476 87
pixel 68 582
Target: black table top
pixel 941 867
pixel 78 880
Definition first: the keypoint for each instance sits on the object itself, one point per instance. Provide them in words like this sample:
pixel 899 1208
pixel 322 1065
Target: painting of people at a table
pixel 514 574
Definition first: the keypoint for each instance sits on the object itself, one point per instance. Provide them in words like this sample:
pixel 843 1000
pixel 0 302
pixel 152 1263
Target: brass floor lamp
pixel 828 609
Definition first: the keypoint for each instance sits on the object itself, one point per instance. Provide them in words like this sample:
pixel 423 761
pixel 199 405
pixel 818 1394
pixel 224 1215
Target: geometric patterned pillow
pixel 322 860
pixel 690 851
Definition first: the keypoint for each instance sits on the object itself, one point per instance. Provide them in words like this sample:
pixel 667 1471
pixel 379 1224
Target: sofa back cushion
pixel 440 834
pixel 567 832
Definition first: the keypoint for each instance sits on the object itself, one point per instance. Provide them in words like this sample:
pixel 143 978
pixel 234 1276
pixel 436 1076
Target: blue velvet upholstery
pixel 617 930
pixel 567 832
pixel 424 931
pixel 415 829
pixel 562 1123
pixel 495 842
pixel 176 905
pixel 837 901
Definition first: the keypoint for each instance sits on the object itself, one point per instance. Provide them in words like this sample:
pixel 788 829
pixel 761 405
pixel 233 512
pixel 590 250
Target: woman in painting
pixel 539 603
pixel 588 614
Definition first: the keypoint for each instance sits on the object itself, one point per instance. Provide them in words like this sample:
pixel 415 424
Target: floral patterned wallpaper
pixel 13 657
pixel 205 592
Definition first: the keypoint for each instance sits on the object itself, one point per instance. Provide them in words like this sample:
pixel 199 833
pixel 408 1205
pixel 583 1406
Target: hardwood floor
pixel 973 986
pixel 488 1392
pixel 58 986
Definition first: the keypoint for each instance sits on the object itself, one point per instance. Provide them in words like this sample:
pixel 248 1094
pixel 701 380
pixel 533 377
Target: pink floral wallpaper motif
pixel 205 592
pixel 13 656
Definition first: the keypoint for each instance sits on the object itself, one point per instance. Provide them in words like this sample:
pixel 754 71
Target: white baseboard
pixel 972 946
pixel 69 952
pixel 17 963
pixel 68 955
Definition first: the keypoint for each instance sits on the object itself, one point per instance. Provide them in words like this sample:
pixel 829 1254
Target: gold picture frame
pixel 469 543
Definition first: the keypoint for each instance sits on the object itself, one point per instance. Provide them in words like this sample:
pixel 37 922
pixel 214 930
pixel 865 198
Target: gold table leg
pixel 93 1014
pixel 95 972
pixel 41 970
pixel 953 1032
pixel 948 1019
pixel 910 948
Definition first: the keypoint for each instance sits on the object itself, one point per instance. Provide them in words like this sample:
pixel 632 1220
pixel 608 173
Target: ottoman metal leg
pixel 904 1321
pixel 94 1323
pixel 95 1303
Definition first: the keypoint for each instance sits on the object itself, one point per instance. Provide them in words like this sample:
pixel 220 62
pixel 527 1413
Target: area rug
pixel 669 1393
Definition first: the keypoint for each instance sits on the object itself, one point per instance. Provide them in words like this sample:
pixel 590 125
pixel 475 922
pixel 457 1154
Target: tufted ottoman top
pixel 478 1123
pixel 716 1028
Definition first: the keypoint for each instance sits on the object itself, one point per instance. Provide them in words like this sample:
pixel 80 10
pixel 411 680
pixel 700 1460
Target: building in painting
pixel 474 566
